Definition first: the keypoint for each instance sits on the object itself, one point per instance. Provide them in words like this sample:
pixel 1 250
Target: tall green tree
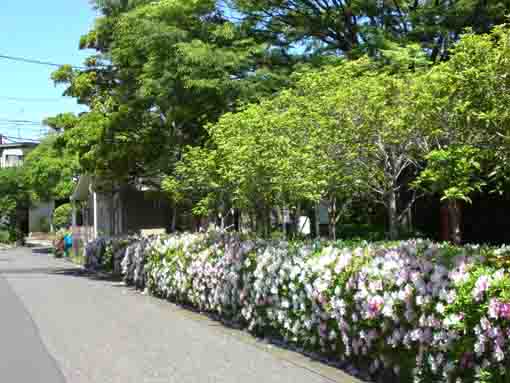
pixel 50 172
pixel 162 71
pixel 467 104
pixel 354 27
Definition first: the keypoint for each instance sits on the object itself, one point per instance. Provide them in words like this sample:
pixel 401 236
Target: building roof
pixel 17 145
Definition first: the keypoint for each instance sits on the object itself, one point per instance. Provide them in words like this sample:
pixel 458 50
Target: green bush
pixel 4 236
pixel 62 216
pixel 361 231
pixel 44 225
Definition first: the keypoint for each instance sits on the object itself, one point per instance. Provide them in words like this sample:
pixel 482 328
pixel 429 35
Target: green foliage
pixel 361 232
pixel 294 102
pixel 14 195
pixel 282 150
pixel 347 131
pixel 4 236
pixel 354 27
pixel 453 172
pixel 62 216
pixel 62 122
pixel 359 129
pixel 50 171
pixel 467 103
pixel 13 190
pixel 163 71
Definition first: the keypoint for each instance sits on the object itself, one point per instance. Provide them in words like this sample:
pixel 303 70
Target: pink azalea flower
pixel 481 286
pixel 375 305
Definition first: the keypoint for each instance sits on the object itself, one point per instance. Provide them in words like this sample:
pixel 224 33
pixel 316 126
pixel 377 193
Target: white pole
pixel 96 231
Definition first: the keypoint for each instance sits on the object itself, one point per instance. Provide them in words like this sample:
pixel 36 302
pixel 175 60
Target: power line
pixel 19 132
pixel 41 100
pixel 37 62
pixel 11 138
pixel 6 120
pixel 16 123
pixel 19 128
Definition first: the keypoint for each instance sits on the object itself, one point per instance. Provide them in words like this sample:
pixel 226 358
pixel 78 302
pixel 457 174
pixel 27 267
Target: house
pixel 39 215
pixel 13 154
pixel 115 211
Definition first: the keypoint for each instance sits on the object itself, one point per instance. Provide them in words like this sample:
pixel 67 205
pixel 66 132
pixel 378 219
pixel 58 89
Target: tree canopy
pixel 50 172
pixel 256 105
pixel 356 27
pixel 359 129
pixel 162 71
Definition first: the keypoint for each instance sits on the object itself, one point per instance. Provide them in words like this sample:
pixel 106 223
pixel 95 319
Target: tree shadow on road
pixel 71 271
pixel 42 250
pixel 80 272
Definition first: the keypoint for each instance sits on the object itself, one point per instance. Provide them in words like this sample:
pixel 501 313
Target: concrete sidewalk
pixel 100 332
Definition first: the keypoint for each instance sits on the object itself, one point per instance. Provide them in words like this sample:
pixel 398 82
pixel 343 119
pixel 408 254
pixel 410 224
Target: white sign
pixel 304 225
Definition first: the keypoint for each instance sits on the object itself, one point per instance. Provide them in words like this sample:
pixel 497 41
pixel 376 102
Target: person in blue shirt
pixel 68 244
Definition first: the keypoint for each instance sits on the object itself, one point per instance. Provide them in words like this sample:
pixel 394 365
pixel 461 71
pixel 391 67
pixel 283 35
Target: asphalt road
pixel 58 325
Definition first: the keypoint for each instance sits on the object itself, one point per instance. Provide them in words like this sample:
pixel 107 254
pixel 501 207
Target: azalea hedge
pixel 418 310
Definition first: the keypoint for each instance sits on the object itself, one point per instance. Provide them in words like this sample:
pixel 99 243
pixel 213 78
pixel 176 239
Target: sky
pixel 46 31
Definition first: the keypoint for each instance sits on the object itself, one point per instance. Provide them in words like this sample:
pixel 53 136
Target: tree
pixel 355 27
pixel 454 173
pixel 163 70
pixel 14 196
pixel 50 172
pixel 347 131
pixel 283 151
pixel 467 106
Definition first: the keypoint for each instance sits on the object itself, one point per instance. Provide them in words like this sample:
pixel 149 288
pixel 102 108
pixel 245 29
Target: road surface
pixel 59 325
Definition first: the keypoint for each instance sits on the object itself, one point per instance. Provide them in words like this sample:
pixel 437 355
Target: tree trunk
pixel 297 229
pixel 263 220
pixel 444 234
pixel 173 226
pixel 237 220
pixel 260 222
pixel 410 225
pixel 267 221
pixel 253 222
pixel 282 218
pixel 392 215
pixel 317 220
pixel 454 219
pixel 332 219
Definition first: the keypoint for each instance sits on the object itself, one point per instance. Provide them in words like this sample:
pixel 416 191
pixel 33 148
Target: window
pixel 13 160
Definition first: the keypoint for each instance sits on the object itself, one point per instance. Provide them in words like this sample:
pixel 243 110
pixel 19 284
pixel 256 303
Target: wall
pixel 105 215
pixel 41 211
pixel 142 211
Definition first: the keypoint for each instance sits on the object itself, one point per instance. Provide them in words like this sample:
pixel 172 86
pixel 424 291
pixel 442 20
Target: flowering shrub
pixel 107 253
pixel 133 262
pixel 420 311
